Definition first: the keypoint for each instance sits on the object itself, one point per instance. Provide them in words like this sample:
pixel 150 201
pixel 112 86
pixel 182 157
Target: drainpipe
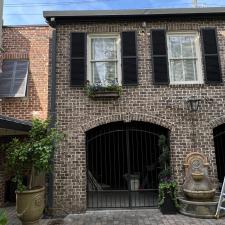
pixel 1 22
pixel 53 117
pixel 1 45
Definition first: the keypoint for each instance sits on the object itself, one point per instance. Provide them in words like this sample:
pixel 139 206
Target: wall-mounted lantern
pixel 193 103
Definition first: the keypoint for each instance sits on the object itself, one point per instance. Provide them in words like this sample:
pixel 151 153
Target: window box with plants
pixel 30 157
pixel 107 89
pixel 167 186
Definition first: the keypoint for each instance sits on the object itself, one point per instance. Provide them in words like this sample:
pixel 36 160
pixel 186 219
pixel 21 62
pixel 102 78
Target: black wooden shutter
pixel 210 55
pixel 159 57
pixel 78 59
pixel 129 58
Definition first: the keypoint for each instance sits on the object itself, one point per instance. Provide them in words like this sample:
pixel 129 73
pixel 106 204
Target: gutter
pixel 53 119
pixel 71 15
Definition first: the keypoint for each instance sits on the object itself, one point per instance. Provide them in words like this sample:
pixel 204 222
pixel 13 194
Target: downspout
pixel 53 118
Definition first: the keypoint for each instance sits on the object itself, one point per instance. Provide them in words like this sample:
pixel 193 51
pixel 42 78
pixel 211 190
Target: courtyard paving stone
pixel 121 217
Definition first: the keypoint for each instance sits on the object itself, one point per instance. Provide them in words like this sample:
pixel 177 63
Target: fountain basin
pixel 197 176
pixel 200 209
pixel 200 195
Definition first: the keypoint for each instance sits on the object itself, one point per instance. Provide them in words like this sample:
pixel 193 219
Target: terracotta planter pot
pixel 30 205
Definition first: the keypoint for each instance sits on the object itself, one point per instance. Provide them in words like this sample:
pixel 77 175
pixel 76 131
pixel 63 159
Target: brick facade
pixel 32 43
pixel 159 104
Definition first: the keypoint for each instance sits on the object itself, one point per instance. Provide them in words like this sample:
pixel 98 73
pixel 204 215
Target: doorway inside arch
pixel 122 165
pixel 219 141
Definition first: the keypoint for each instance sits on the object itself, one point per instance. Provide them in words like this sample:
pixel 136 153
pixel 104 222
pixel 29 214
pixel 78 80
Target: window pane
pixel 182 46
pixel 5 85
pixel 190 70
pixel 8 66
pixel 188 46
pixel 104 72
pixel 103 48
pixel 19 88
pixel 176 69
pixel 175 46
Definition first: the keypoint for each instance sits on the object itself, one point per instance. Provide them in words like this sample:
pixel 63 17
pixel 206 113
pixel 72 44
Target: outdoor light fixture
pixel 193 103
pixel 144 24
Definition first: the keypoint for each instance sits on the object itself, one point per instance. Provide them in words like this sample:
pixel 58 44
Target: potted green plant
pixel 3 218
pixel 104 89
pixel 27 158
pixel 167 186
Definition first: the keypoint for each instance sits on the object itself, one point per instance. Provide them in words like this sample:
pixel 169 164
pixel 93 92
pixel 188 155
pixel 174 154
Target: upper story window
pixel 13 79
pixel 185 65
pixel 104 59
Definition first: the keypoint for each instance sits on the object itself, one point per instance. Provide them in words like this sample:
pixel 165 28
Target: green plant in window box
pixel 106 88
pixel 27 158
pixel 167 186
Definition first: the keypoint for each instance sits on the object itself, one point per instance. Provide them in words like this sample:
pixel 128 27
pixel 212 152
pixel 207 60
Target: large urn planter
pixel 31 157
pixel 30 205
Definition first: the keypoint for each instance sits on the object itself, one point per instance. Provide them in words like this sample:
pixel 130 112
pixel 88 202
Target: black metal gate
pixel 219 140
pixel 122 165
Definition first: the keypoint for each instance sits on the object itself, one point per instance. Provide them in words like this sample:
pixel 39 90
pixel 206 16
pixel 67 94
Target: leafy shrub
pixel 167 185
pixel 33 154
pixel 3 218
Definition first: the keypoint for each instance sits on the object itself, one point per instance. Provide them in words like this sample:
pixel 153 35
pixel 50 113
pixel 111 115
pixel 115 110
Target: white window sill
pixel 186 83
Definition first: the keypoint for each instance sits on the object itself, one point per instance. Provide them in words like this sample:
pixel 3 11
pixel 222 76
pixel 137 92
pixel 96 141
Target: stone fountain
pixel 199 197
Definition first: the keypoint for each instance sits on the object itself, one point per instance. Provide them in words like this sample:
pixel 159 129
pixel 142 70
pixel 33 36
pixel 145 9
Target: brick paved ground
pixel 122 217
pixel 13 220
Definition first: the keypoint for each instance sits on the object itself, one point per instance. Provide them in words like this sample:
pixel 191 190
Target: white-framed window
pixel 13 79
pixel 184 58
pixel 103 59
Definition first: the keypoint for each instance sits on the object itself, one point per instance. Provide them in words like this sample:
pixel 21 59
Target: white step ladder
pixel 221 200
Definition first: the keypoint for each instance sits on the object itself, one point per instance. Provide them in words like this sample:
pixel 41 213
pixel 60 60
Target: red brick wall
pixel 29 42
pixel 32 43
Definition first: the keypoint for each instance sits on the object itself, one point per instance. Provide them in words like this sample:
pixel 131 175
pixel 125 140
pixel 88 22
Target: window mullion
pixel 13 77
pixel 194 65
pixel 182 60
pixel 105 60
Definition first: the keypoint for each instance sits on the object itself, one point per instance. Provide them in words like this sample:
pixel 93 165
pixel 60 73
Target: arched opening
pixel 122 164
pixel 219 141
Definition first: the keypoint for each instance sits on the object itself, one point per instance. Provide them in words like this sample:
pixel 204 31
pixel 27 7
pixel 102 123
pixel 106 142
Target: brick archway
pixel 127 117
pixel 217 122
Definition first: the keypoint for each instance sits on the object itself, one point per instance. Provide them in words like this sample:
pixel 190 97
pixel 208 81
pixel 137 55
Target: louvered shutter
pixel 129 58
pixel 78 59
pixel 159 57
pixel 210 56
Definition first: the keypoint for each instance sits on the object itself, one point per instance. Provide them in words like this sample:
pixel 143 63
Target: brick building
pixel 23 85
pixel 162 59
